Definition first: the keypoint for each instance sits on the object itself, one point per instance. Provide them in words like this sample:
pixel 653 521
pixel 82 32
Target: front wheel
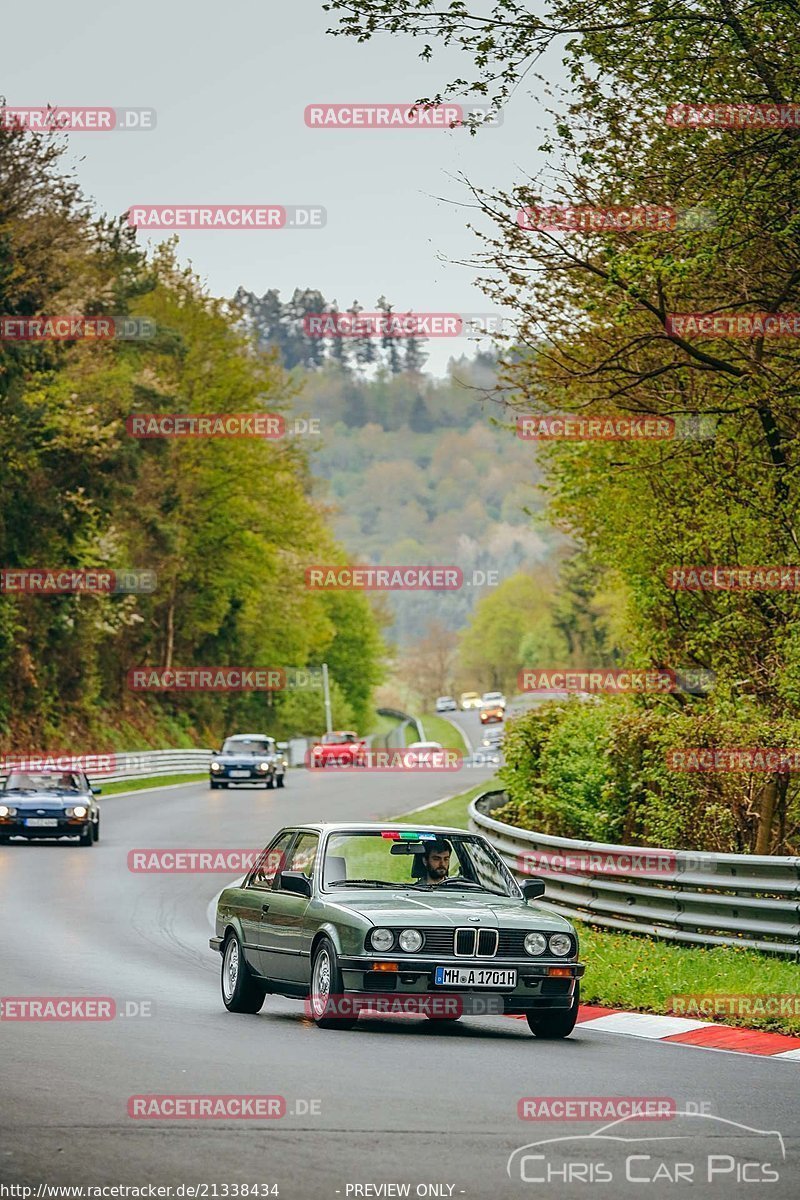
pixel 87 838
pixel 96 831
pixel 326 988
pixel 555 1023
pixel 241 993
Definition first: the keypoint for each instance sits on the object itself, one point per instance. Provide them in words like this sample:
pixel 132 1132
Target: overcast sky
pixel 230 83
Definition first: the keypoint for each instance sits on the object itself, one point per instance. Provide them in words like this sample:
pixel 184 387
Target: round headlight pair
pixel 559 944
pixel 409 940
pixel 78 810
pixel 7 811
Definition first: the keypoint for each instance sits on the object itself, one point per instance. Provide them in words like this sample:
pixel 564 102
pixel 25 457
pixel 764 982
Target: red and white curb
pixel 707 1035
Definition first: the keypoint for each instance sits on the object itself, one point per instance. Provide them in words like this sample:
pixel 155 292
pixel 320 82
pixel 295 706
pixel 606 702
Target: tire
pixel 280 780
pixel 96 830
pixel 326 981
pixel 557 1023
pixel 5 838
pixel 270 783
pixel 87 838
pixel 212 783
pixel 241 993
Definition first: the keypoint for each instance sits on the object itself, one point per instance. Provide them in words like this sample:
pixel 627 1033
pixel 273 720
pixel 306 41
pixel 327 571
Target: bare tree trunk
pixel 765 815
pixel 170 647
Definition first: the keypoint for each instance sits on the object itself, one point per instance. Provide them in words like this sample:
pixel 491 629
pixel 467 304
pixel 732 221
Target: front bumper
pixel 66 827
pixel 225 775
pixel 536 987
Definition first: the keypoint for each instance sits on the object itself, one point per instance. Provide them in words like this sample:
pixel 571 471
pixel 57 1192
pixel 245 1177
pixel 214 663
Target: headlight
pixel 560 944
pixel 77 810
pixel 263 766
pixel 6 811
pixel 410 940
pixel 215 766
pixel 381 939
pixel 535 943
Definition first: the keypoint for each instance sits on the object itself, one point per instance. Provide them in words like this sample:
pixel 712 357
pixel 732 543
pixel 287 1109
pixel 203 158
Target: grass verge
pixel 438 729
pixel 643 974
pixel 150 781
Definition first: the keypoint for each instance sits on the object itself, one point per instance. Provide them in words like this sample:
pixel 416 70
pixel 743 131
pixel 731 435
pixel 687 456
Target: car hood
pixel 245 756
pixel 45 800
pixel 421 908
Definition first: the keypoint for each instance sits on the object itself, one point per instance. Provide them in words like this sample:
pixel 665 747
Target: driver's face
pixel 438 864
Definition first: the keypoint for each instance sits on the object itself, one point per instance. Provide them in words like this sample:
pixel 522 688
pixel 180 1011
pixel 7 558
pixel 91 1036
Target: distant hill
pixel 417 472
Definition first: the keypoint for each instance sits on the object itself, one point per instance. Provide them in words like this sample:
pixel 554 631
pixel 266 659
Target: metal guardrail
pixel 395 738
pixel 136 764
pixel 744 900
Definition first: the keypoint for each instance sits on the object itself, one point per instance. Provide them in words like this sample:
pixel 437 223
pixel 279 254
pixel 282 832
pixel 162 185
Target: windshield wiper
pixel 359 882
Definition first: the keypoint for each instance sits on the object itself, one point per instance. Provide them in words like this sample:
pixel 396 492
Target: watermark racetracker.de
pixel 54 119
pixel 227 216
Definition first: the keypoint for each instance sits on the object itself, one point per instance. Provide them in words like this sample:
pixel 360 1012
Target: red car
pixel 342 748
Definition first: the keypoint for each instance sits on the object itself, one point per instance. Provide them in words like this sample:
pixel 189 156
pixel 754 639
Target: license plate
pixel 476 977
pixel 240 774
pixel 40 822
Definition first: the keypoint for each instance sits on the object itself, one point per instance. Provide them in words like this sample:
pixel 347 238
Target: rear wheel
pixel 326 988
pixel 241 993
pixel 557 1022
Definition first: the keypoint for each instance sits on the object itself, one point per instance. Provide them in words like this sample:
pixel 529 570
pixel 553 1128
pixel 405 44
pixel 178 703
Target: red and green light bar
pixel 397 835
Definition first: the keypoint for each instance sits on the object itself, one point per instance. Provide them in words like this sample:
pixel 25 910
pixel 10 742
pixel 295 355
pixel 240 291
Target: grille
pixel 510 943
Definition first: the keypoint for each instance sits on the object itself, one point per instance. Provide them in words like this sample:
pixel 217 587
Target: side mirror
pixel 532 889
pixel 295 881
pixel 96 791
pixel 214 753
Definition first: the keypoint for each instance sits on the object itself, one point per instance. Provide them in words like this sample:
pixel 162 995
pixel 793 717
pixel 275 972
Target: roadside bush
pixel 600 771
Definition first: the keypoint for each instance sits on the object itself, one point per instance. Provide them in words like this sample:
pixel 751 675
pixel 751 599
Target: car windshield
pixel 336 739
pixel 388 859
pixel 46 781
pixel 247 746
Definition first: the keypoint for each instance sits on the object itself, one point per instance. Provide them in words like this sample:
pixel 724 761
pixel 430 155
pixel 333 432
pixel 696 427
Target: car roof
pixel 372 827
pixel 245 737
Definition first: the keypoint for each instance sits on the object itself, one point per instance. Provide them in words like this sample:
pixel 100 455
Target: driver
pixel 436 861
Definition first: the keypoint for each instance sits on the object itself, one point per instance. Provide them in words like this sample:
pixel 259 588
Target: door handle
pixel 265 908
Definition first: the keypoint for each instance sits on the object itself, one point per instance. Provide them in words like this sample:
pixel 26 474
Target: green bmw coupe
pixel 358 918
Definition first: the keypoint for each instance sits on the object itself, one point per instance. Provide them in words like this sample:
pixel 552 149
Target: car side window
pixel 304 854
pixel 271 862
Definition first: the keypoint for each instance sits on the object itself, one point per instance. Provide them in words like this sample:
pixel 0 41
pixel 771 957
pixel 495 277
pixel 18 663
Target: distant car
pixel 446 704
pixel 491 713
pixel 424 750
pixel 493 736
pixel 494 698
pixel 470 700
pixel 340 748
pixel 49 804
pixel 346 915
pixel 247 758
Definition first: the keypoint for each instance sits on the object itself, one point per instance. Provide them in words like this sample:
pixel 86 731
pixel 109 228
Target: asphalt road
pixel 395 1101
